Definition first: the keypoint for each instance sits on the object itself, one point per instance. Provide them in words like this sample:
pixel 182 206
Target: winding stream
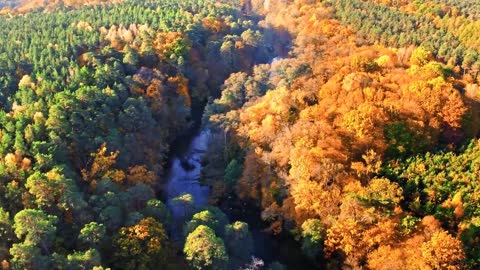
pixel 184 178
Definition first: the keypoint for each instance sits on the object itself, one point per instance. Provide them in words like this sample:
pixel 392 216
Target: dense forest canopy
pixel 362 144
pixel 91 99
pixel 345 132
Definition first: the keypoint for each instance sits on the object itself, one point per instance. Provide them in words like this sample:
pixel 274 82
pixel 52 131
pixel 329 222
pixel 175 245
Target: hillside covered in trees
pixel 341 134
pixel 362 144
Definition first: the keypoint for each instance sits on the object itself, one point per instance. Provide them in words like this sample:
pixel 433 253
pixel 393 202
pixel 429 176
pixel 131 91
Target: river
pixel 183 177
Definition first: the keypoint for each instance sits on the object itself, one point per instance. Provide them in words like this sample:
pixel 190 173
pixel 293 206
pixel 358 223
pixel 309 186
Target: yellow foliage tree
pixel 443 252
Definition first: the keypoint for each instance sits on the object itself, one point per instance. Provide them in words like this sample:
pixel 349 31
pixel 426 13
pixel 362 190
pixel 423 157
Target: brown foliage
pixel 140 174
pixel 214 25
pixel 182 88
pixel 102 166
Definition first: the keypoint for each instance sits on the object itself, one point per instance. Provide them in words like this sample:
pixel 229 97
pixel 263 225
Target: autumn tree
pixel 140 174
pixel 142 246
pixel 204 250
pixel 102 166
pixel 420 56
pixel 443 252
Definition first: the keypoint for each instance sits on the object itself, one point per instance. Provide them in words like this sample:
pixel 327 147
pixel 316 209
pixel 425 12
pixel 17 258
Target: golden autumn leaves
pixel 320 137
pixel 102 166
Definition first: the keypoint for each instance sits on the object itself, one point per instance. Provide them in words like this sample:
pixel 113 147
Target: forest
pixel 326 134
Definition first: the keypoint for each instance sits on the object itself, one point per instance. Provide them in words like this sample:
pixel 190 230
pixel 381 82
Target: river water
pixel 184 178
